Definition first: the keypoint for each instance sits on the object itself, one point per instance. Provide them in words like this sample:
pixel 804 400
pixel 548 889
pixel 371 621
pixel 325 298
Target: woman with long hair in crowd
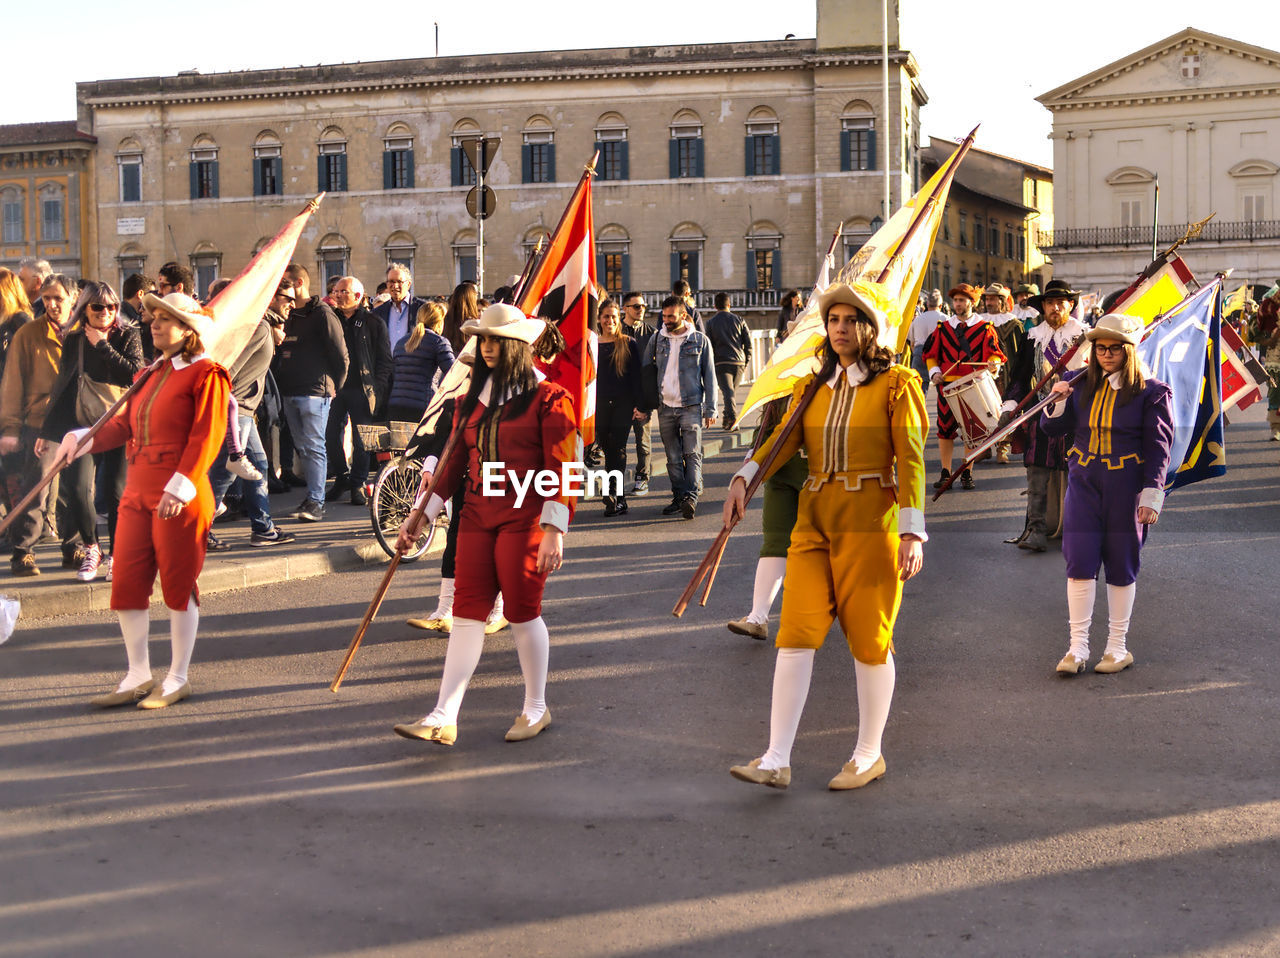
pixel 463 308
pixel 617 398
pixel 100 357
pixel 15 310
pixel 172 429
pixel 788 310
pixel 860 528
pixel 1122 430
pixel 513 415
pixel 415 360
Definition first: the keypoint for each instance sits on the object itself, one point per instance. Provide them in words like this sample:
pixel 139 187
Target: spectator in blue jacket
pixel 415 360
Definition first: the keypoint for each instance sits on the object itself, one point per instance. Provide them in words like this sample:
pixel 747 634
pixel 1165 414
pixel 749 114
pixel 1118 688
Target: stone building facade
pixel 726 164
pixel 46 195
pixel 1200 114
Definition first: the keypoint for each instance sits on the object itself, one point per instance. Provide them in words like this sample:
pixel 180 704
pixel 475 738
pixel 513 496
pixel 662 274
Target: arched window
pixel 129 168
pixel 462 172
pixel 397 158
pixel 611 142
pixel 401 248
pixel 333 256
pixel 130 260
pixel 331 161
pixel 854 236
pixel 763 144
pixel 203 168
pixel 687 242
pixel 538 152
pixel 613 259
pixel 11 201
pixel 464 257
pixel 1254 185
pixel 685 148
pixel 268 179
pixel 857 137
pixel 764 256
pixel 206 265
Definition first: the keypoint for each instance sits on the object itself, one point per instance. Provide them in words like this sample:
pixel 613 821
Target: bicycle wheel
pixel 390 504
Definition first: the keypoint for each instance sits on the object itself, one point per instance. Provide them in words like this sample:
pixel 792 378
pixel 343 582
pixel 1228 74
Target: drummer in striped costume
pixel 964 342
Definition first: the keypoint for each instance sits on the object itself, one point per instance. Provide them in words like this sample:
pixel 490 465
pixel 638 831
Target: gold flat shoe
pixel 440 734
pixel 437 623
pixel 492 626
pixel 753 773
pixel 157 700
pixel 850 777
pixel 522 730
pixel 1111 664
pixel 112 699
pixel 1070 665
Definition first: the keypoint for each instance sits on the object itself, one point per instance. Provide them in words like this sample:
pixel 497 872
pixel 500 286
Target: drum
pixel 975 402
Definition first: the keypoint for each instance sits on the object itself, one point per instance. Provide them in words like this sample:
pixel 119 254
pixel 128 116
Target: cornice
pixel 1166 96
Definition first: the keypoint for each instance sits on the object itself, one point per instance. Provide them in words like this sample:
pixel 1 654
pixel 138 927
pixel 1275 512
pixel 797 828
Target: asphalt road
pixel 1022 813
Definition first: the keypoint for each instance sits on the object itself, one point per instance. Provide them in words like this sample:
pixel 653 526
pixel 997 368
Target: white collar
pixel 685 330
pixel 486 390
pixel 856 373
pixel 180 363
pixel 974 319
pixel 1042 333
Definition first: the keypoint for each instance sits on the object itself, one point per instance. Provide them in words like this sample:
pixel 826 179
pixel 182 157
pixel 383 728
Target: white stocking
pixel 533 646
pixel 1119 609
pixel 466 642
pixel 769 573
pixel 1080 596
pixel 182 639
pixel 444 607
pixel 135 626
pixel 791 675
pixel 875 694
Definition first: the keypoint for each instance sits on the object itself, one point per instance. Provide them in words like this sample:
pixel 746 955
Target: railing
pixel 1213 232
pixel 738 299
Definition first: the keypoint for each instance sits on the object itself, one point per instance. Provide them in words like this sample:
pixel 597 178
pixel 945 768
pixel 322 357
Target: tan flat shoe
pixel 112 699
pixel 440 734
pixel 1112 663
pixel 1071 665
pixel 522 729
pixel 437 623
pixel 753 773
pixel 850 777
pixel 158 700
pixel 494 626
pixel 746 627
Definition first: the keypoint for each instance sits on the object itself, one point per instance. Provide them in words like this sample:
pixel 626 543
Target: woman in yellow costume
pixel 859 535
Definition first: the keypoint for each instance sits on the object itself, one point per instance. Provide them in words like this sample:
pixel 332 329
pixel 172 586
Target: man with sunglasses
pixel 635 326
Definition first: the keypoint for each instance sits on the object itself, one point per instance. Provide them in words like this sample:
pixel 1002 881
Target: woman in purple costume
pixel 1121 431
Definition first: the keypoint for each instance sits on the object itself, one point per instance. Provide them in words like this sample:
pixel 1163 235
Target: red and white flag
pixel 562 290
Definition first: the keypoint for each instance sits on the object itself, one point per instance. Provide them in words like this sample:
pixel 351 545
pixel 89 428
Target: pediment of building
pixel 1190 65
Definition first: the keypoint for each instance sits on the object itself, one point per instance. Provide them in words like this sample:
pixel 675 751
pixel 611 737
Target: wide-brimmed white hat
pixel 844 293
pixel 505 322
pixel 1118 326
pixel 182 308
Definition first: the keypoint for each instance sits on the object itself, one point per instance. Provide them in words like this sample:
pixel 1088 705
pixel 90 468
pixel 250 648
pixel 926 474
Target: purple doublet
pixel 1117 451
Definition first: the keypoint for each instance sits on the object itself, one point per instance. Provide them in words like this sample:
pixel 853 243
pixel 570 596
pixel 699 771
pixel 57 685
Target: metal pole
pixel 437 38
pixel 480 155
pixel 1155 217
pixel 888 129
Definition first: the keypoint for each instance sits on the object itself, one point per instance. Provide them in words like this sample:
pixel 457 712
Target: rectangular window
pixel 130 266
pixel 462 173
pixel 993 237
pixel 1255 207
pixel 52 224
pixel 686 152
pixel 1008 245
pixel 266 176
pixel 397 164
pixel 979 237
pixel 613 160
pixel 333 264
pixel 687 157
pixel 764 272
pixel 964 228
pixel 13 221
pixel 466 267
pixel 539 163
pixel 1022 247
pixel 685 265
pixel 130 178
pixel 1131 213
pixel 332 167
pixel 763 148
pixel 401 169
pixel 205 269
pixel 613 278
pixel 857 144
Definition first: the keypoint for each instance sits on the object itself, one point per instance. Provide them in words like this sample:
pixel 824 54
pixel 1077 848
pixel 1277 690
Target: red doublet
pixel 174 424
pixel 498 542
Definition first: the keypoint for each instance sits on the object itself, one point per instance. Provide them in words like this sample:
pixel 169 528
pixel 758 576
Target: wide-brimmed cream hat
pixel 184 309
pixel 505 322
pixel 1118 326
pixel 858 299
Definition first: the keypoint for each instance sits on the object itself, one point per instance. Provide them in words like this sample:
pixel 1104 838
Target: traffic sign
pixel 490 203
pixel 481 158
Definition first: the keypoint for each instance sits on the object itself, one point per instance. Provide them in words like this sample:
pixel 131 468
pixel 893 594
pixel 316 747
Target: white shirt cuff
pixel 1152 498
pixel 747 472
pixel 911 522
pixel 1008 406
pixel 434 505
pixel 1056 409
pixel 932 370
pixel 181 488
pixel 556 515
pixel 80 434
pixel 429 464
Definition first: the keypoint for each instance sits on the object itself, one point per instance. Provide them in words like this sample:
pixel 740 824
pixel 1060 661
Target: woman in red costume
pixel 172 429
pixel 507 541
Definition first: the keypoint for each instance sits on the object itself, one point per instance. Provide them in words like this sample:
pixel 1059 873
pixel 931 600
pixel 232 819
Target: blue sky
pixel 980 62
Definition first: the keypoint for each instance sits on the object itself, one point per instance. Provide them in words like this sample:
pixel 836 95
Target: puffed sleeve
pixel 909 429
pixel 449 476
pixel 991 345
pixel 1157 443
pixel 789 448
pixel 559 446
pixel 208 430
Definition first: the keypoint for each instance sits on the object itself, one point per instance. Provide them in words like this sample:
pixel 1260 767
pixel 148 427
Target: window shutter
pixel 409 169
pixel 775 280
pixel 603 168
pixel 675 266
pixel 387 170
pixel 846 151
pixel 194 170
pixel 257 177
pixel 322 169
pixel 551 163
pixel 871 150
pixel 673 151
pixel 526 163
pixel 626 266
pixel 777 155
pixel 341 160
pixel 697 164
pixel 216 192
pixel 751 269
pixel 455 166
pixel 749 158
pixel 278 165
pixel 624 149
